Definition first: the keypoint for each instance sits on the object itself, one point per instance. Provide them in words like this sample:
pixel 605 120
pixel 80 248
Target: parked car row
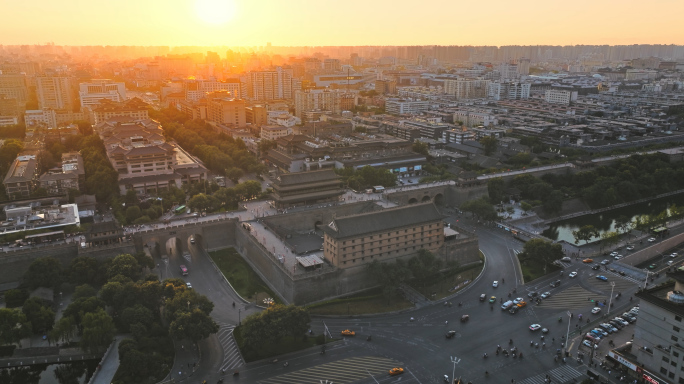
pixel 604 329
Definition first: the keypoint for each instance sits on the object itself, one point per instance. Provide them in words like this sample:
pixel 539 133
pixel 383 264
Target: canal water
pixel 72 373
pixel 605 221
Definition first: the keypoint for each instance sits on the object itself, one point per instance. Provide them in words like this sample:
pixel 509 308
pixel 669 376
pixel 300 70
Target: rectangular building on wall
pixel 385 235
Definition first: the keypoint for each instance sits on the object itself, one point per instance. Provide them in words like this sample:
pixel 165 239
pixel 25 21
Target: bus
pixel 180 210
pixel 378 189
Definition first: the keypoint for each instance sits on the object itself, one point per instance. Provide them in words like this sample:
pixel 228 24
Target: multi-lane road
pixel 420 346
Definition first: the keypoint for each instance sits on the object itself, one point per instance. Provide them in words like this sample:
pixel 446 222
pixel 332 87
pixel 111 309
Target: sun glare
pixel 215 11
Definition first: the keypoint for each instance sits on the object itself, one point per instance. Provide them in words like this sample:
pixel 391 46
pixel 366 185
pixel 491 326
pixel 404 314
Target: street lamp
pixel 567 333
pixel 455 360
pixel 612 286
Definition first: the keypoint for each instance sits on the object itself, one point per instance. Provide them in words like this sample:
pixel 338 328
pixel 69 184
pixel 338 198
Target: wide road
pixel 420 346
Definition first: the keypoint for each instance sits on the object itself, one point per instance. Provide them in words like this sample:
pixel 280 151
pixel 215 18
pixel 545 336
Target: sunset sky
pixel 349 22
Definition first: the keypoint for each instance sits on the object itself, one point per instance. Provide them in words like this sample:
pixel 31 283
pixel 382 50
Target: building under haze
pixel 270 85
pixel 91 93
pixel 55 92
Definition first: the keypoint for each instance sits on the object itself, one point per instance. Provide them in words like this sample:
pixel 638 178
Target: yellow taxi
pixel 396 371
pixel 348 332
pixel 521 304
pixel 588 261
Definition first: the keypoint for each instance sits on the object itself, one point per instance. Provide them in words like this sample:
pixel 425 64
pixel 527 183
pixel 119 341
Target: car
pixel 589 344
pixel 594 338
pixel 492 299
pixel 556 283
pixel 348 332
pixel 670 262
pixel 673 255
pixel 545 295
pixel 572 274
pixel 596 310
pixel 588 261
pixel 595 267
pixel 618 257
pixel 621 321
pixel 602 278
pixel 599 332
pixel 465 318
pixel 535 327
pixel 653 266
pixel 521 304
pixel 514 310
pixel 412 319
pixel 396 371
pixel 627 316
pixel 544 330
pixel 616 324
pixel 517 300
pixel 634 311
pixel 628 319
pixel 605 262
pixel 652 239
pixel 613 254
pixel 630 248
pixel 622 273
pixel 483 297
pixel 450 334
pixel 188 285
pixel 566 259
pixel 192 239
pixel 495 284
pixel 611 327
pixel 532 294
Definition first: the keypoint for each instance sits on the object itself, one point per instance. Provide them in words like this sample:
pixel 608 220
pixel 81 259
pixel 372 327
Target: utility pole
pixel 454 360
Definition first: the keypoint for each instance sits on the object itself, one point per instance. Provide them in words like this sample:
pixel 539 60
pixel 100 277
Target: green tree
pixel 44 272
pixel 78 308
pixel 64 330
pixel 489 143
pixel 15 297
pixel 234 174
pixel 86 270
pixel 195 325
pixel 38 314
pixel 496 188
pixel 132 213
pixel 98 331
pixel 585 233
pixel 125 265
pixel 275 323
pixel 553 203
pixel 137 314
pixel 424 265
pixel 481 208
pixel 13 326
pixel 623 224
pixel 390 276
pixel 609 239
pixel 526 207
pixel 420 147
pixel 202 202
pixel 185 301
pixel 542 252
pixel 84 291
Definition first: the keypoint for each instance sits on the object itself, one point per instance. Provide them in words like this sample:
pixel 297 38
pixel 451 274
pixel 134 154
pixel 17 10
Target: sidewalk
pixel 109 364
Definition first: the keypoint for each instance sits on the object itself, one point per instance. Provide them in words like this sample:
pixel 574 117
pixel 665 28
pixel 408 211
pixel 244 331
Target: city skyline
pixel 310 23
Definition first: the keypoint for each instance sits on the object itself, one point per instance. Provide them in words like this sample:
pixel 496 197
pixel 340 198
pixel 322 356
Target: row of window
pixel 386 254
pixel 389 241
pixel 389 247
pixel 388 234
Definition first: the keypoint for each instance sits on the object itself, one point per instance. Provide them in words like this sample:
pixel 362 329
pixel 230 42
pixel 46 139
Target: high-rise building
pixel 256 115
pixel 270 85
pixel 556 96
pixel 55 92
pixel 384 87
pixel 93 92
pixel 508 71
pixel 508 90
pixel 466 88
pixel 524 66
pixel 13 86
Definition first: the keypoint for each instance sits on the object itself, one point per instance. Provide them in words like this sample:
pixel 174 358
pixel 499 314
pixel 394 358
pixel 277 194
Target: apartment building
pixel 274 132
pixel 55 92
pixel 91 93
pixel 20 180
pixel 71 175
pixel 194 90
pixel 406 107
pixel 457 136
pixel 257 115
pixel 508 90
pixel 474 118
pixel 10 106
pixel 318 100
pixel 384 87
pixel 466 88
pixel 227 111
pixel 354 241
pixel 555 96
pixel 270 85
pixel 13 86
pixel 45 118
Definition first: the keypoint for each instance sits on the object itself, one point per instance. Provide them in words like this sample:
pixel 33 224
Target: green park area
pixel 537 257
pixel 241 276
pixel 447 282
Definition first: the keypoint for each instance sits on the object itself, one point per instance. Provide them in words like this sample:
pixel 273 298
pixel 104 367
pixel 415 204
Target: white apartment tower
pixel 93 92
pixel 508 91
pixel 555 96
pixel 270 85
pixel 466 88
pixel 54 92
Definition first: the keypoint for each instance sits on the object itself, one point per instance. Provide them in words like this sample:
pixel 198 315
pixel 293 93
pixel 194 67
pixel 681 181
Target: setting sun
pixel 215 11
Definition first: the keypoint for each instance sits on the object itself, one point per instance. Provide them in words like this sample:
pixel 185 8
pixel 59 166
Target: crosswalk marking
pixel 341 371
pixel 571 298
pixel 562 374
pixel 231 353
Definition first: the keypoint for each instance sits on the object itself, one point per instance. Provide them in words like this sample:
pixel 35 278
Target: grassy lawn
pixel 367 302
pixel 241 276
pixel 440 286
pixel 286 345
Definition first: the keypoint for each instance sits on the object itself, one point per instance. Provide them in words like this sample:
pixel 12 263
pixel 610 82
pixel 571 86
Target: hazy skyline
pixel 353 22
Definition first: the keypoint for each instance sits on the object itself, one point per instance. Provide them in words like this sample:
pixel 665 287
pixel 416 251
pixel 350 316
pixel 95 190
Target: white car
pixel 673 255
pixel 495 284
pixel 518 300
pixel 630 248
pixel 613 254
pixel 535 327
pixel 621 321
pixel 572 274
pixel 596 310
pixel 652 239
pixel 588 344
pixel 545 295
pixel 188 285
